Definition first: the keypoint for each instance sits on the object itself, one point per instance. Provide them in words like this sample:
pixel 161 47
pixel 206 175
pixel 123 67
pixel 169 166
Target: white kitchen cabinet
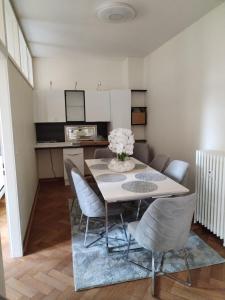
pixel 49 106
pixel 76 155
pixel 40 106
pixel 75 106
pixel 56 106
pixel 97 106
pixel 120 103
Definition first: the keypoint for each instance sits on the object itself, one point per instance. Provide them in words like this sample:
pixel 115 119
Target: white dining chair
pixel 141 152
pixel 159 162
pixel 103 153
pixel 91 206
pixel 177 170
pixel 165 226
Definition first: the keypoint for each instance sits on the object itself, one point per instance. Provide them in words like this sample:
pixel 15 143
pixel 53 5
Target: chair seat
pixel 132 227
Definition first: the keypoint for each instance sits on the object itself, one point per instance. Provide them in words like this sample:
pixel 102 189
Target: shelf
pixel 139 115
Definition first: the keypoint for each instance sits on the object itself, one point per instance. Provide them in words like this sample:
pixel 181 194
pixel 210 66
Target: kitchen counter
pixel 81 144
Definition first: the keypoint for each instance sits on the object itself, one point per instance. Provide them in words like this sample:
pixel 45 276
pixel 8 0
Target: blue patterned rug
pixel 94 268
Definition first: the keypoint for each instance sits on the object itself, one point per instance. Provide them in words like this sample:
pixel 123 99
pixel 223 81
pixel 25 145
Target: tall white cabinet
pixel 97 106
pixel 120 106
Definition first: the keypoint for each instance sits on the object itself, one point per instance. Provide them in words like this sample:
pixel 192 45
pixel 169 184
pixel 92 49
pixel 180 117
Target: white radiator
pixel 210 190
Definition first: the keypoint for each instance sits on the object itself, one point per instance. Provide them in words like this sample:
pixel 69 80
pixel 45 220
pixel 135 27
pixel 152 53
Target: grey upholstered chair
pixel 90 204
pixel 177 170
pixel 165 226
pixel 141 152
pixel 159 162
pixel 69 165
pixel 103 153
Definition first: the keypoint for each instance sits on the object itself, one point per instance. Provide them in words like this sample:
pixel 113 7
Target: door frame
pixel 11 189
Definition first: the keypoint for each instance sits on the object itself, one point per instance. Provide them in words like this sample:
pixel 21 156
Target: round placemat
pixel 99 167
pixel 140 166
pixel 150 176
pixel 139 186
pixel 111 177
pixel 106 160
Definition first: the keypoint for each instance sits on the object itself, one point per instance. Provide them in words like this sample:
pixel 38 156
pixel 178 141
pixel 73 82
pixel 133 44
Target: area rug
pixel 94 268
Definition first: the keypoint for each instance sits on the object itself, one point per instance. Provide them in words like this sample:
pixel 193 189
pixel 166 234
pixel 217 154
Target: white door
pixel 120 102
pixel 97 106
pixel 76 155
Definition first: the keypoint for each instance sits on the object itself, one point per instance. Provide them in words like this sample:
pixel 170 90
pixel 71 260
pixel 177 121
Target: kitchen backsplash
pixel 54 132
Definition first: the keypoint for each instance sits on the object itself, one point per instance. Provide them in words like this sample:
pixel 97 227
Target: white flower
pixel 121 140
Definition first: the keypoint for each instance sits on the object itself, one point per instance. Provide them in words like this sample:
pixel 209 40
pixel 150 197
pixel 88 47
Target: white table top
pixel 114 190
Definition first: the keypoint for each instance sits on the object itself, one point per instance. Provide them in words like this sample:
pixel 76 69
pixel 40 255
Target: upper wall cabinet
pixel 2 25
pixel 120 102
pixel 97 106
pixel 49 106
pixel 75 105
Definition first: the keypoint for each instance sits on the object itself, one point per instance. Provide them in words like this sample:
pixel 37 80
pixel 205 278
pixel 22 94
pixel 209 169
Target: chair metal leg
pixel 189 281
pixel 128 246
pixel 138 210
pixel 153 275
pixel 81 217
pixel 124 228
pixel 71 209
pixel 106 227
pixel 86 232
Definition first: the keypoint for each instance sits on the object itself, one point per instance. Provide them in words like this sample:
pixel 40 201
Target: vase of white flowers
pixel 121 142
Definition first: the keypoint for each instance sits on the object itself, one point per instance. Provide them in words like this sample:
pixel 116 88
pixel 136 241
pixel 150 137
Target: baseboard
pixel 27 234
pixel 51 179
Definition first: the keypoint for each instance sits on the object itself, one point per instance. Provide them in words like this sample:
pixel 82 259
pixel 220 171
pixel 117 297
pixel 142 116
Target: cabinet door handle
pixel 73 154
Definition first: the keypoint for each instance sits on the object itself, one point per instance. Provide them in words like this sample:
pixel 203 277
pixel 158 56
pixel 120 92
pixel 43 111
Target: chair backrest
pixel 166 223
pixel 69 165
pixel 159 162
pixel 177 170
pixel 89 202
pixel 103 153
pixel 141 152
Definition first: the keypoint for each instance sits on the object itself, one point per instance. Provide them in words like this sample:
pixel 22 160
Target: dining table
pixel 141 183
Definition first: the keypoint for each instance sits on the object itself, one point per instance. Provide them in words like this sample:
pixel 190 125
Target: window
pixel 16 44
pixel 30 68
pixel 2 25
pixel 23 54
pixel 12 33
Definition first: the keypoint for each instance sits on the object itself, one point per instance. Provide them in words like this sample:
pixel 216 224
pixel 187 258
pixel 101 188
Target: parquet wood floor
pixel 46 270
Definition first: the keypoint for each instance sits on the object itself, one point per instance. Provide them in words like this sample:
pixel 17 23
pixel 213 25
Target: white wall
pixel 24 140
pixel 186 82
pixel 2 277
pixel 87 71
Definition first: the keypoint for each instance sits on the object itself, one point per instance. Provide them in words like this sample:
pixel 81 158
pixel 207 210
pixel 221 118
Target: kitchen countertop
pixel 80 144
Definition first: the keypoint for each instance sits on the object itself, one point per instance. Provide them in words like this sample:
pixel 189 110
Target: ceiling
pixel 66 27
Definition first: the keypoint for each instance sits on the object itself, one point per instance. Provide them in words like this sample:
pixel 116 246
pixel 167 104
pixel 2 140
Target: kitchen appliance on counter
pixel 77 133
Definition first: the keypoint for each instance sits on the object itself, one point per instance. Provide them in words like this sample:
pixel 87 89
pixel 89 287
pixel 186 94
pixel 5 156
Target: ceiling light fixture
pixel 115 12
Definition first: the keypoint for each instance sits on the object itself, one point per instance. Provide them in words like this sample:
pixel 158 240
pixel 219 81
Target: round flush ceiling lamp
pixel 115 12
